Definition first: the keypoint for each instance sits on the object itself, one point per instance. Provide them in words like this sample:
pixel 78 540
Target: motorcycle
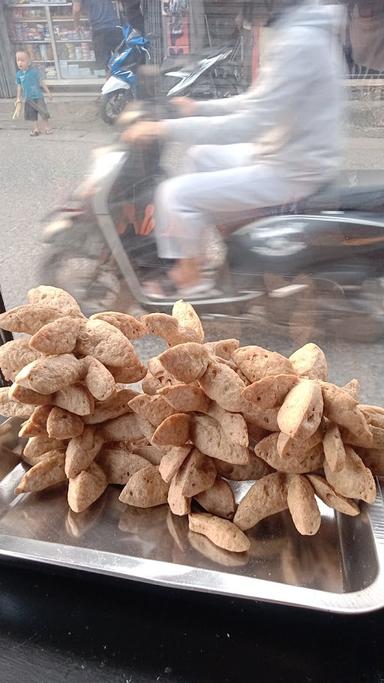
pixel 213 74
pixel 317 264
pixel 121 84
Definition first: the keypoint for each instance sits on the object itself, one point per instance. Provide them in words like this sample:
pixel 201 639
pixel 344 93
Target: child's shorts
pixel 32 109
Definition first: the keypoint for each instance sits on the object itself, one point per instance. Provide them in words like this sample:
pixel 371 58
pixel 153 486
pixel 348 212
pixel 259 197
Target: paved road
pixel 37 174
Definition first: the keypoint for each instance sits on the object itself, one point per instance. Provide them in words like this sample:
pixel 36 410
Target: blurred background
pixel 66 217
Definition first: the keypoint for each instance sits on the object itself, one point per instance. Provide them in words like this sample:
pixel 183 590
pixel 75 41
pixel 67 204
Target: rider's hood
pixel 314 15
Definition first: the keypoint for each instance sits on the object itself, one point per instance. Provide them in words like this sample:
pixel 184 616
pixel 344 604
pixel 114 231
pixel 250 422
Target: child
pixel 30 84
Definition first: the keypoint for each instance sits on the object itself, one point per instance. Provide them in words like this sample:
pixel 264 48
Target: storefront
pixel 178 27
pixel 64 52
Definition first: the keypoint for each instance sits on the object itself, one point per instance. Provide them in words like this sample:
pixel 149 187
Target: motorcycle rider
pixel 277 143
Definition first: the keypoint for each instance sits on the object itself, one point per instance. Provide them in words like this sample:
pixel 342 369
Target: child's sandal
pixel 34 133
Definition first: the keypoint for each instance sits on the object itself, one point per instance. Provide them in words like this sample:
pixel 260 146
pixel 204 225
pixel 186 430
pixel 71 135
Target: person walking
pixel 104 21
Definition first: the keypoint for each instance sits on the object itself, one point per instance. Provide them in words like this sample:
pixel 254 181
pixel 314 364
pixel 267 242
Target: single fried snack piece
pixel 123 428
pixel 119 464
pixel 223 385
pixel 115 406
pixel 256 468
pixel 352 388
pixel 23 395
pixel 262 419
pixel 302 506
pixel 129 374
pixel 168 328
pixel 54 297
pixel 172 460
pixel 75 398
pixel 294 462
pixel 179 504
pixel 37 423
pixel 186 362
pixel 269 391
pixel 173 431
pixel 105 343
pixel 10 408
pixel 221 532
pixel 300 415
pixel 197 474
pixel 155 409
pixel 354 480
pixel 374 459
pixel 334 450
pixel 28 318
pixel 186 398
pixel 145 489
pixel 127 324
pixel 310 361
pixel 38 445
pixel 48 375
pixel 223 348
pixel 47 472
pixel 14 355
pixel 87 487
pixel 340 407
pixel 56 337
pixel 151 453
pixel 63 425
pixel 372 411
pixel 98 380
pixel 256 362
pixel 209 438
pixel 286 445
pixel 329 496
pixel 233 425
pixel 266 497
pixel 218 500
pixel 82 450
pixel 187 318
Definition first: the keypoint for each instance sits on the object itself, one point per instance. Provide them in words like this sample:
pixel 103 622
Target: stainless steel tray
pixel 341 569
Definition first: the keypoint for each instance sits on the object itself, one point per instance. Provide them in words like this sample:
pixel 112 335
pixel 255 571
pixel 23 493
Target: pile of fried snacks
pixel 208 413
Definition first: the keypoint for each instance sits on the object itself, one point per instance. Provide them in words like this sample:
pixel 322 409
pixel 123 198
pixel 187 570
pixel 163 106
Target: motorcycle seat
pixel 353 191
pixel 191 59
pixel 343 195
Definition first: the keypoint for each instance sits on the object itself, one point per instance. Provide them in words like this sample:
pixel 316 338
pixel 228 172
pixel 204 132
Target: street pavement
pixel 38 173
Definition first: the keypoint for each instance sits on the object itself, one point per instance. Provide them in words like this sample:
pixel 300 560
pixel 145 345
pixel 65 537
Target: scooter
pixel 120 88
pixel 213 74
pixel 317 264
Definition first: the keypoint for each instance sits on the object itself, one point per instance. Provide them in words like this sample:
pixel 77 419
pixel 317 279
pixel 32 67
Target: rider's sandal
pixel 166 289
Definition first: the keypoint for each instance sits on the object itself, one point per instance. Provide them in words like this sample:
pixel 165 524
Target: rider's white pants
pixel 223 187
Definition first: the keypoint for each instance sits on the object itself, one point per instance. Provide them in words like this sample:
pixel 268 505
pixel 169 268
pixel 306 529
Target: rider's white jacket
pixel 293 113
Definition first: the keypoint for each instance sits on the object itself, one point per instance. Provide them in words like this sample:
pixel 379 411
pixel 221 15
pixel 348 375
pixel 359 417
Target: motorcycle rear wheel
pixel 113 104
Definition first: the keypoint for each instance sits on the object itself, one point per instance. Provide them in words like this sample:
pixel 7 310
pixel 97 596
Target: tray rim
pixel 185 577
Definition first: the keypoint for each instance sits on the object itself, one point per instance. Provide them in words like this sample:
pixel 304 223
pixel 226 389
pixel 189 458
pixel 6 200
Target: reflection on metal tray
pixel 341 569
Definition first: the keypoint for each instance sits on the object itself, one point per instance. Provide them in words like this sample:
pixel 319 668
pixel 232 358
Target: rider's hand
pixel 144 132
pixel 185 106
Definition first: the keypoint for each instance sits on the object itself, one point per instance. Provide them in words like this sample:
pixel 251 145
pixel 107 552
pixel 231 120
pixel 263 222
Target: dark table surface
pixel 58 626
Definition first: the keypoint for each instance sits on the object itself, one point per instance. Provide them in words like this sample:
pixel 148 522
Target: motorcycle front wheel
pixel 113 104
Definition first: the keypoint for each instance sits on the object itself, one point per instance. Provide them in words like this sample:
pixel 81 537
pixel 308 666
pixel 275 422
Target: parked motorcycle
pixel 121 84
pixel 314 264
pixel 214 73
